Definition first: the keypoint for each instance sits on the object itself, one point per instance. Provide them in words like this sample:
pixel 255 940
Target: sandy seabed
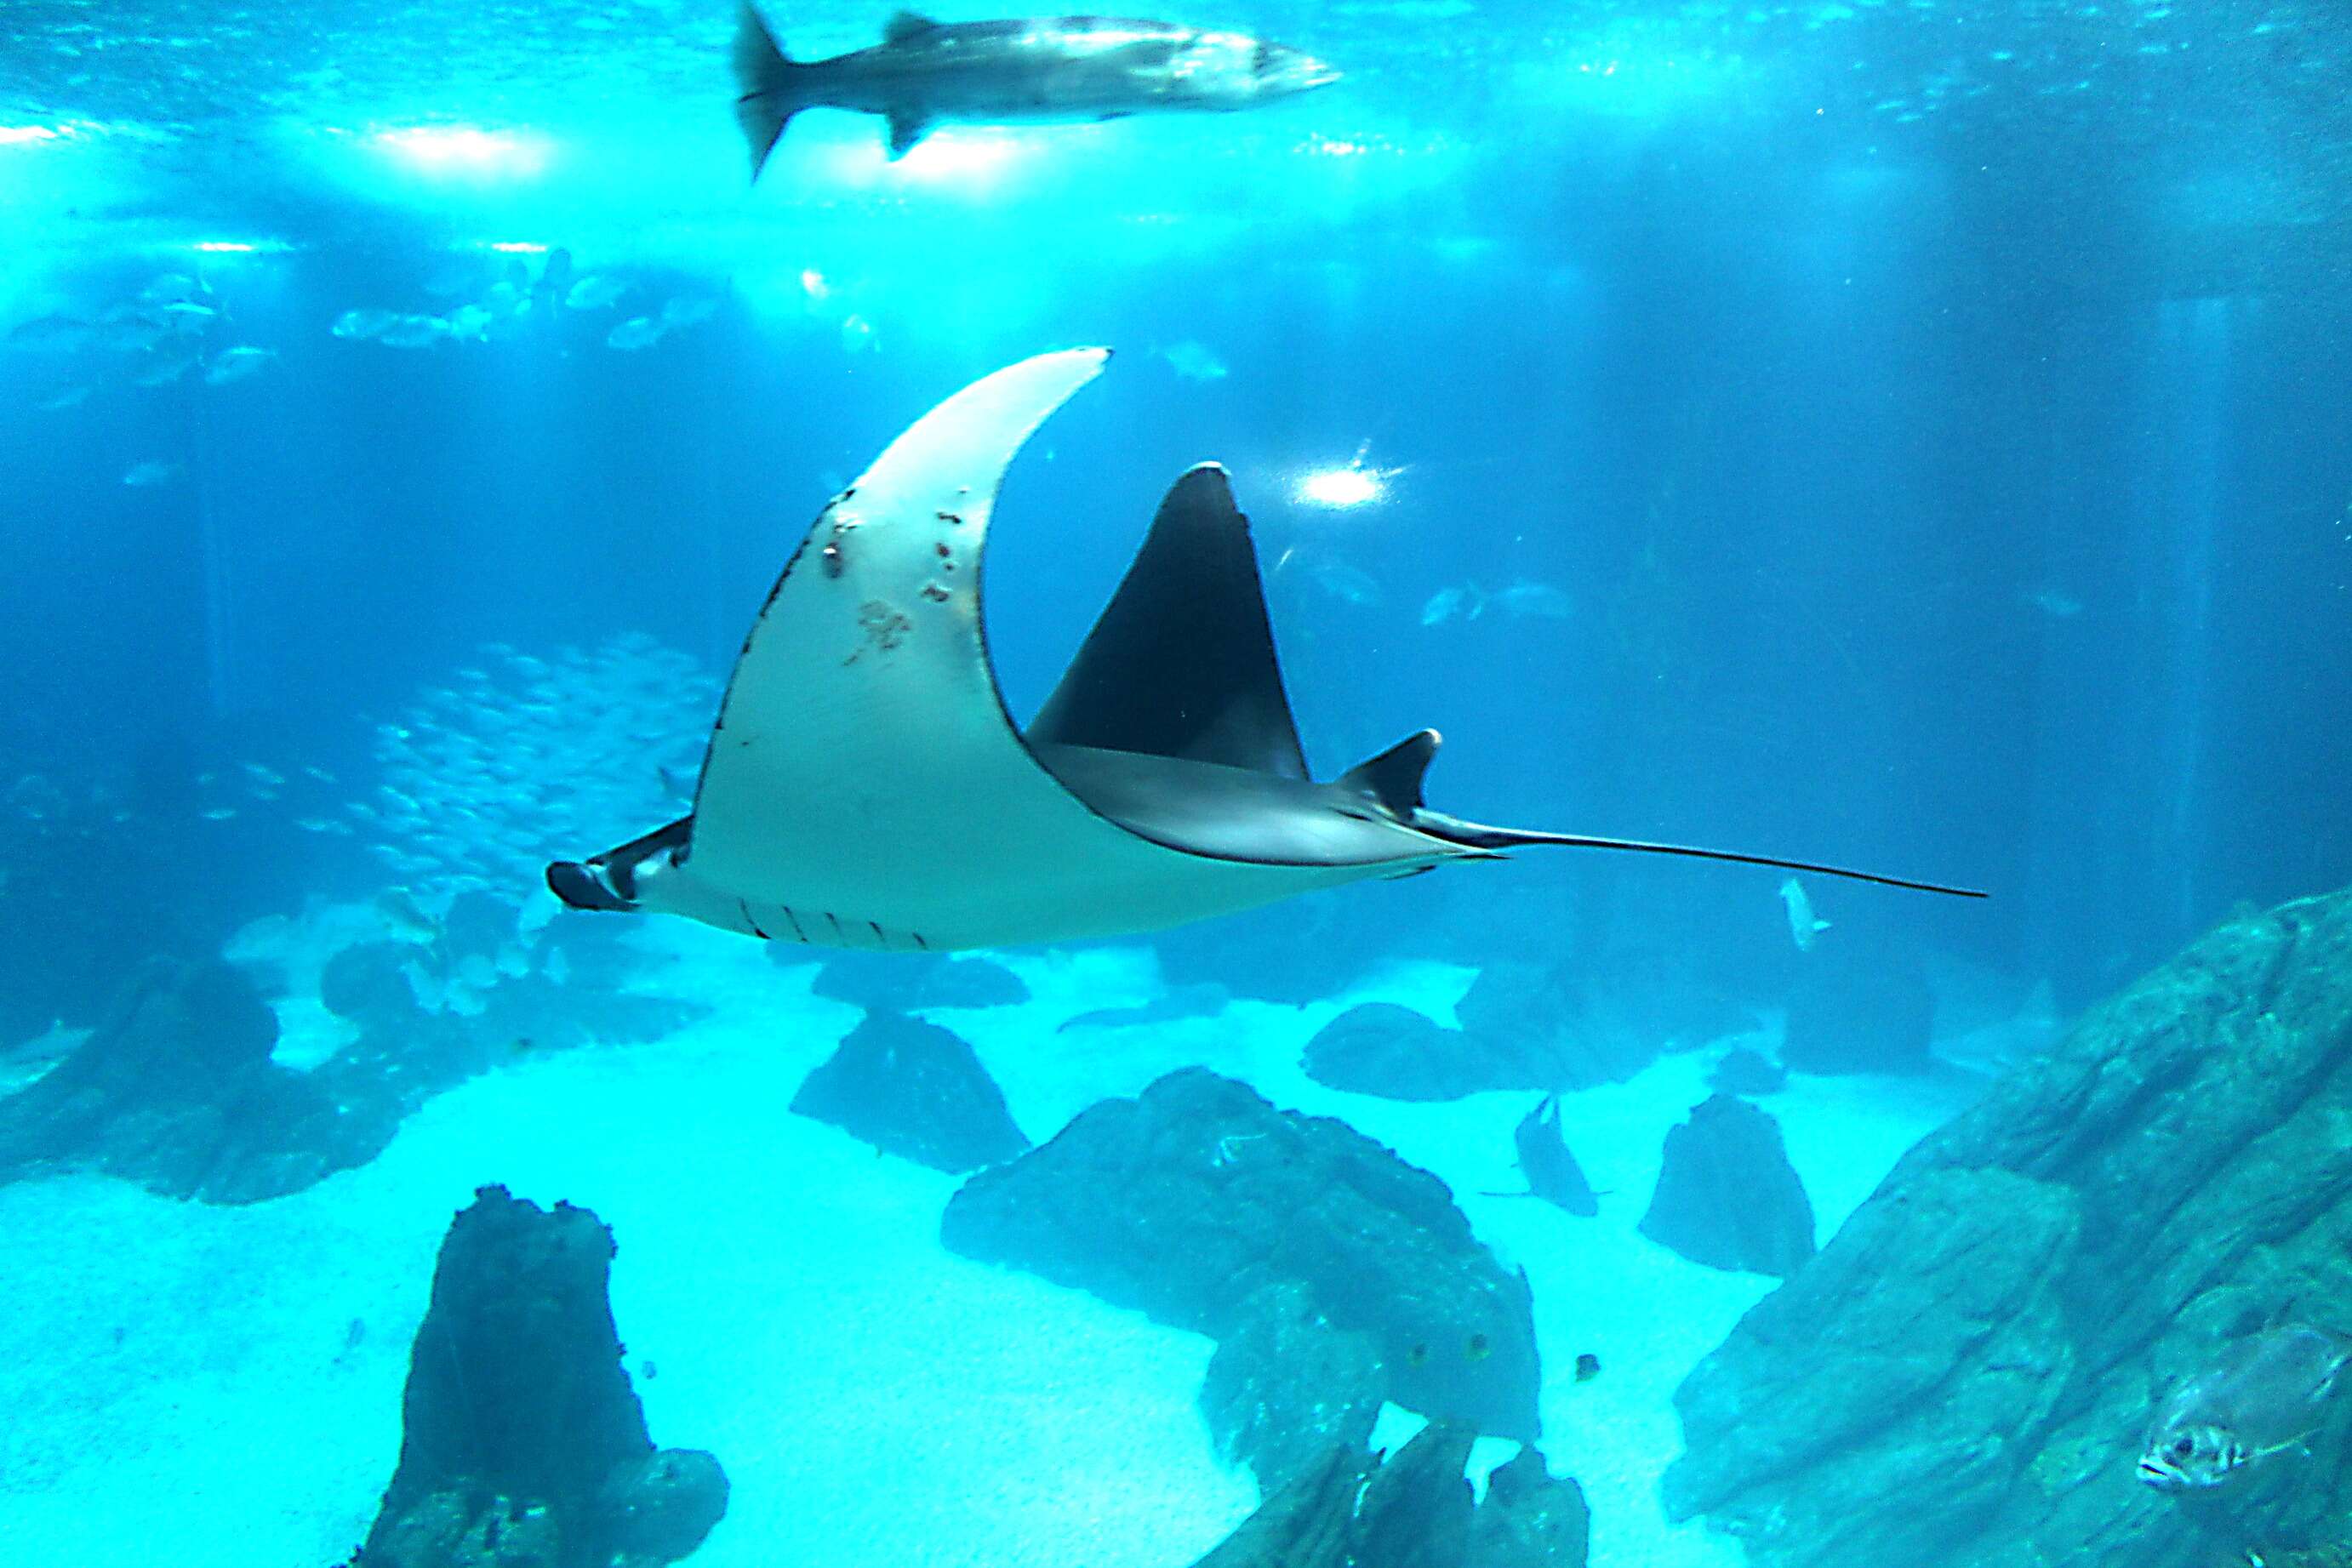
pixel 220 1387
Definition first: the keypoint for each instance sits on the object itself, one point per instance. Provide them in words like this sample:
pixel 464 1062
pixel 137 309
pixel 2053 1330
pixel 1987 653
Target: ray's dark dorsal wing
pixel 1181 662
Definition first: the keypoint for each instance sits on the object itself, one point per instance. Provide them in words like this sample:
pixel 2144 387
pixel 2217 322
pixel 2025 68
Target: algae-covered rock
pixel 1727 1195
pixel 1187 1200
pixel 1964 1375
pixel 522 1444
pixel 915 1089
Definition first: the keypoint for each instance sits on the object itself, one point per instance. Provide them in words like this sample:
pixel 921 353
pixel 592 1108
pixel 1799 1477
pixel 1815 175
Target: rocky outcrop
pixel 1561 1030
pixel 1745 1071
pixel 1191 1198
pixel 1964 1375
pixel 1399 1053
pixel 914 1089
pixel 1350 1510
pixel 1727 1195
pixel 1287 1385
pixel 522 1445
pixel 176 1090
pixel 902 982
pixel 1523 1026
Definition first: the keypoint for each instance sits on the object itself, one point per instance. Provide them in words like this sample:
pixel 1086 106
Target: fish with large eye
pixel 2265 1395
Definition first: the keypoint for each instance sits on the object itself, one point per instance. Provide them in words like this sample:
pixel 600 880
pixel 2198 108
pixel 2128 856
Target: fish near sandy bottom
pixel 1041 69
pixel 866 787
pixel 2263 1395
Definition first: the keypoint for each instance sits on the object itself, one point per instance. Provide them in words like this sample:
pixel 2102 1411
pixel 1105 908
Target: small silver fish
pixel 637 332
pixel 55 331
pixel 415 332
pixel 595 292
pixel 167 369
pixel 1539 600
pixel 471 322
pixel 170 288
pixel 2263 1395
pixel 145 475
pixel 1803 927
pixel 1463 599
pixel 361 325
pixel 235 364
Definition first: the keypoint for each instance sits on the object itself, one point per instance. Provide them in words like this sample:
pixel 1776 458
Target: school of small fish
pixel 478 776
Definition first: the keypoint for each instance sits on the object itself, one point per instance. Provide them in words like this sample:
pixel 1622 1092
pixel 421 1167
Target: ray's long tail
pixel 1479 836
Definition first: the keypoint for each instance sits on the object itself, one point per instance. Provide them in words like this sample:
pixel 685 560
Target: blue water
pixel 1915 435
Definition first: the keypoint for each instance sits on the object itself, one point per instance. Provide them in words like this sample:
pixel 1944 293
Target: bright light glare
pixel 1349 486
pixel 226 246
pixel 17 135
pixel 518 248
pixel 961 159
pixel 465 151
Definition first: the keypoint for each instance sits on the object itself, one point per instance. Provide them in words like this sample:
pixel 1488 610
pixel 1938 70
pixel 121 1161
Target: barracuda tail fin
pixel 768 85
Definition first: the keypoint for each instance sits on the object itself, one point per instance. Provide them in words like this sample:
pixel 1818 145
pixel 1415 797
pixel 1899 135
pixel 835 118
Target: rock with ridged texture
pixel 1399 1053
pixel 1414 1510
pixel 914 1089
pixel 367 984
pixel 176 1090
pixel 1963 1377
pixel 1727 1195
pixel 1305 1524
pixel 1553 1029
pixel 1186 1201
pixel 1284 1386
pixel 522 1445
pixel 1530 1518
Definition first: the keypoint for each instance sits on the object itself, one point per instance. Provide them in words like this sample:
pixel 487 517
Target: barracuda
pixel 1035 69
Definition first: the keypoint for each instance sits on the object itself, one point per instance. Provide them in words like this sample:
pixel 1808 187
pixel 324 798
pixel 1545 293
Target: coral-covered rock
pixel 367 984
pixel 1530 1518
pixel 522 1445
pixel 1380 1048
pixel 1188 1199
pixel 914 1089
pixel 1285 1386
pixel 1726 1194
pixel 1966 1373
pixel 176 1090
pixel 1556 1029
pixel 1347 1510
pixel 1745 1071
